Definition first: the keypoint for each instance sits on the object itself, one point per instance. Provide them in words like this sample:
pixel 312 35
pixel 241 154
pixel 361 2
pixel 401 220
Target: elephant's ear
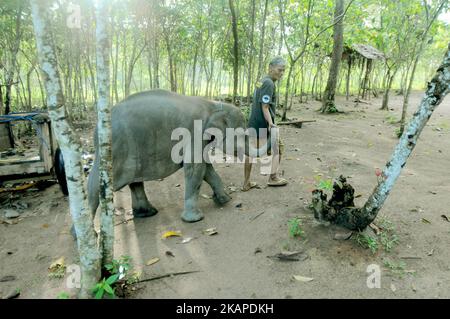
pixel 217 120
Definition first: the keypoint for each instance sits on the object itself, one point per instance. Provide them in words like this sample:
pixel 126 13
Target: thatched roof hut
pixel 365 55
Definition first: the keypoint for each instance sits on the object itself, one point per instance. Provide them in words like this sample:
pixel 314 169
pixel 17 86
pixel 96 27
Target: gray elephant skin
pixel 142 127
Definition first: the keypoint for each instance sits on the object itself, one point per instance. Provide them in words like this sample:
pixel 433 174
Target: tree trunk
pixel 389 81
pixel 359 218
pixel 104 133
pixel 235 50
pixel 252 51
pixel 406 96
pixel 286 94
pixel 1 99
pixel 365 84
pixel 416 60
pixel 115 69
pixel 261 41
pixel 328 102
pixel 156 64
pixel 194 69
pixel 12 66
pixel 71 149
pixel 347 81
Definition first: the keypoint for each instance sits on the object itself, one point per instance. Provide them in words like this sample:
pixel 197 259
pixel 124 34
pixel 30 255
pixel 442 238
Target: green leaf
pixel 109 290
pixel 112 279
pixel 99 294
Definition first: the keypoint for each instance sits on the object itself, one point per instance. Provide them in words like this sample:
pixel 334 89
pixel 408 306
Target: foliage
pixel 118 270
pixel 368 242
pixel 105 286
pixel 323 184
pixel 63 295
pixel 192 38
pixel 386 238
pixel 295 227
pixel 396 268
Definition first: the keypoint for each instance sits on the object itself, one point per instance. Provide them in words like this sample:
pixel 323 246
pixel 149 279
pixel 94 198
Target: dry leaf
pixel 171 233
pixel 59 263
pixel 430 253
pixel 290 256
pixel 9 222
pixel 210 231
pixel 186 240
pixel 152 261
pixel 206 196
pixel 343 235
pixel 45 226
pixel 303 279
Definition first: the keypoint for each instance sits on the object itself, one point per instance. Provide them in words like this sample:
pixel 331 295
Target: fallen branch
pixel 297 123
pixel 168 275
pixel 253 218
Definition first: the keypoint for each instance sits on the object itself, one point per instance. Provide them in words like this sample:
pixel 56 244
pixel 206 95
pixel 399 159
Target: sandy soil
pixel 234 263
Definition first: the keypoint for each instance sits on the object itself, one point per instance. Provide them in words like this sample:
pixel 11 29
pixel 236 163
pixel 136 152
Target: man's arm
pixel 266 112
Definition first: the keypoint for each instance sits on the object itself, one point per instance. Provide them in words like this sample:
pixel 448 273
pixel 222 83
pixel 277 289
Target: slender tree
pixel 328 102
pixel 104 132
pixel 71 148
pixel 235 50
pixel 429 22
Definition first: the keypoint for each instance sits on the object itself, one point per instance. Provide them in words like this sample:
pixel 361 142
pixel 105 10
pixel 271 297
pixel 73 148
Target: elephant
pixel 142 146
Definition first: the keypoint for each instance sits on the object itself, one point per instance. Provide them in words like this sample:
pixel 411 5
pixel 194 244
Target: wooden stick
pixel 295 122
pixel 168 275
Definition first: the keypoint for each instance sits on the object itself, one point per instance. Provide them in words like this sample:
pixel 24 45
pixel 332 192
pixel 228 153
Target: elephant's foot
pixel 144 212
pixel 221 199
pixel 192 216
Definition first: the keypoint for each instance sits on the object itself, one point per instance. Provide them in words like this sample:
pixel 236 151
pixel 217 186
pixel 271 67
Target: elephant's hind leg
pixel 139 202
pixel 220 197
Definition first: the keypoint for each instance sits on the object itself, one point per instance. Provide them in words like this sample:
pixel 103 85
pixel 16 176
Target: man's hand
pixel 271 125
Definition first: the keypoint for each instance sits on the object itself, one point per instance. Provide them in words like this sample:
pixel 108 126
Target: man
pixel 262 121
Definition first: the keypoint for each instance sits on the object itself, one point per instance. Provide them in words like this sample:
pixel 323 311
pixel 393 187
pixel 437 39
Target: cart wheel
pixel 60 172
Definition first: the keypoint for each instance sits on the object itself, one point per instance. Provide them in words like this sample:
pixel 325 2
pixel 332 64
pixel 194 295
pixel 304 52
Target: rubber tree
pixel 104 131
pixel 339 209
pixel 235 50
pixel 328 103
pixel 70 146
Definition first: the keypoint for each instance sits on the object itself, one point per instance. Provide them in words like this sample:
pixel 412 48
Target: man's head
pixel 276 68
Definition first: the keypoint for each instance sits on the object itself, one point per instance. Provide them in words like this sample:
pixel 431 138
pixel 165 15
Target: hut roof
pixel 368 51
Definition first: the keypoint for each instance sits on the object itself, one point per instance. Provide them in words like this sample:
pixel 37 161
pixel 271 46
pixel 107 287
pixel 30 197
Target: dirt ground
pixel 234 263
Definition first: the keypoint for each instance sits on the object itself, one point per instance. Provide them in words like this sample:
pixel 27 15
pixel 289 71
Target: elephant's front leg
pixel 193 176
pixel 213 179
